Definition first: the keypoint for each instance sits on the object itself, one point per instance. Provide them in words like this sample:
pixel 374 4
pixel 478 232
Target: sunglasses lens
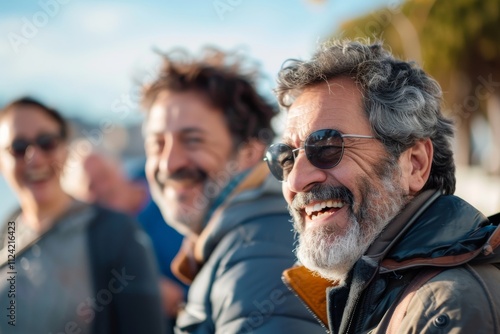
pixel 280 160
pixel 19 147
pixel 47 142
pixel 324 148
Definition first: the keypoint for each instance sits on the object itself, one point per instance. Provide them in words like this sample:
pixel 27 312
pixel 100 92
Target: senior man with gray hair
pixel 368 174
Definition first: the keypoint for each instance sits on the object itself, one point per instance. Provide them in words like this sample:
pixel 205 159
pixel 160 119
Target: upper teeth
pixel 37 175
pixel 320 206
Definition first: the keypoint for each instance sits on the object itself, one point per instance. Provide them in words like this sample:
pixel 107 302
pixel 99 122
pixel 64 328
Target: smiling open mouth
pixel 37 176
pixel 315 211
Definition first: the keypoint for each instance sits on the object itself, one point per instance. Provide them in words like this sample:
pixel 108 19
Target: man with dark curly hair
pixel 206 131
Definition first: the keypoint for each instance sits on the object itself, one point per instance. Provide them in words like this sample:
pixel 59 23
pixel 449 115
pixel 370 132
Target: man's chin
pixel 185 221
pixel 328 254
pixel 333 271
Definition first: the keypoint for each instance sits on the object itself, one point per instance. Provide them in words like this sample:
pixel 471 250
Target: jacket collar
pixel 401 224
pixel 310 288
pixel 467 235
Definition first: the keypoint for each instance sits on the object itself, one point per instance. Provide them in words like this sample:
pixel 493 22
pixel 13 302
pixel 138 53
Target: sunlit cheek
pixel 150 168
pixel 287 194
pixel 6 168
pixel 172 196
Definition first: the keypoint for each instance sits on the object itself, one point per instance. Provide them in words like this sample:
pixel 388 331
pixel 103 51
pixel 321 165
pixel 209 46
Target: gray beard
pixel 331 254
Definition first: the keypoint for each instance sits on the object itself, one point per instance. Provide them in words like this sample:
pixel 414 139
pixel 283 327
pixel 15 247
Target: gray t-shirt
pixel 50 279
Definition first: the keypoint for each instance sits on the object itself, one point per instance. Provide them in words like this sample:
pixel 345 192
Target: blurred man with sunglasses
pixel 368 174
pixel 206 131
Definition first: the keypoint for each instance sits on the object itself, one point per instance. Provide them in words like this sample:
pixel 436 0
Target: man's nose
pixel 34 154
pixel 303 174
pixel 173 157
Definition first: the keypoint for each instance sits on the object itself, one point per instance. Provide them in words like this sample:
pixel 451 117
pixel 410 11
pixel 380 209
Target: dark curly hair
pixel 227 85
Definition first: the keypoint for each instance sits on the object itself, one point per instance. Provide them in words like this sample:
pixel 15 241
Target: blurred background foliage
pixel 458 43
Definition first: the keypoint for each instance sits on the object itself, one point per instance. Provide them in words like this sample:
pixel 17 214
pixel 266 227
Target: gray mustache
pixel 322 192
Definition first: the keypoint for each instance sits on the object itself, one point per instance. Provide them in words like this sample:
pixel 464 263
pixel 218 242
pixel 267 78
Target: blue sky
pixel 81 56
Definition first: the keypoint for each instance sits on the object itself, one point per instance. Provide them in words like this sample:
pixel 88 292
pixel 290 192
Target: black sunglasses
pixel 324 149
pixel 46 142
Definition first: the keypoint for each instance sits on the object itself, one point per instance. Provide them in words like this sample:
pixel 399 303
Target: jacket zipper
pixel 352 317
pixel 306 306
pixel 361 314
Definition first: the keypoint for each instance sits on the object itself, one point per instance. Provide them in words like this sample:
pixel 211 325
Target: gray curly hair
pixel 402 102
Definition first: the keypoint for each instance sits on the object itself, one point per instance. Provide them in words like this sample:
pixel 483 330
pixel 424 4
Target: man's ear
pixel 420 162
pixel 250 153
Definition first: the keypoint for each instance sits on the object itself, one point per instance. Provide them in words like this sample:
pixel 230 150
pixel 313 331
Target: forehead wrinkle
pixel 295 127
pixel 333 104
pixel 292 135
